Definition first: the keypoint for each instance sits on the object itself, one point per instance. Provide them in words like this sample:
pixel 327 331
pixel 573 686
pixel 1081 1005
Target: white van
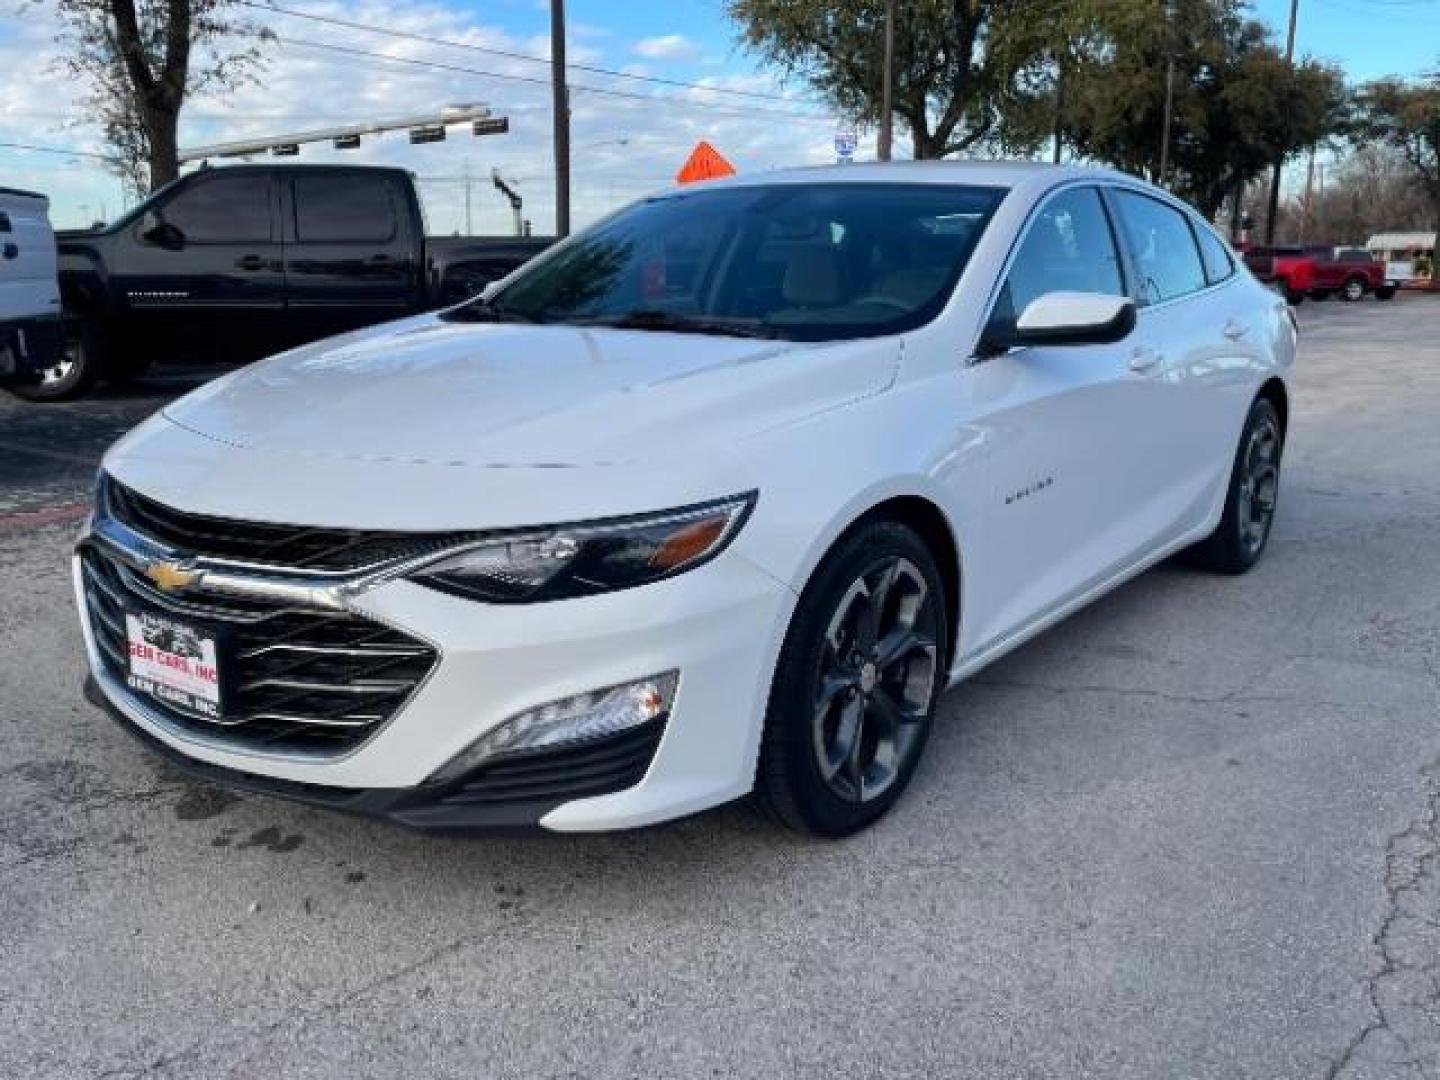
pixel 30 323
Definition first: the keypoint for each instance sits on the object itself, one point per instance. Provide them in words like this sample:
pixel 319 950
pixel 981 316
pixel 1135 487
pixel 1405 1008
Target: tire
pixel 1319 294
pixel 1385 292
pixel 1354 289
pixel 845 728
pixel 74 372
pixel 1239 540
pixel 1294 297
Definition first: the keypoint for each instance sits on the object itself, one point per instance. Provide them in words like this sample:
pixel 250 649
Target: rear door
pixel 352 255
pixel 201 272
pixel 1194 342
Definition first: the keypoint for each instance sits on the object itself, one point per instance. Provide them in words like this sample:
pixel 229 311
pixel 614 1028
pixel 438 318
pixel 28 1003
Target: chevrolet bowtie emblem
pixel 173 576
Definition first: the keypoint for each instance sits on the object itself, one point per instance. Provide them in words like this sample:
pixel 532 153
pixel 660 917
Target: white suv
pixel 718 495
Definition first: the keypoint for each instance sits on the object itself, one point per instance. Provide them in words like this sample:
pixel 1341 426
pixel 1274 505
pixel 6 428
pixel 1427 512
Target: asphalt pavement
pixel 1191 832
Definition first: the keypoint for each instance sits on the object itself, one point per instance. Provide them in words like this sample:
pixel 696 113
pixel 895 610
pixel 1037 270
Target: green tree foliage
pixel 1237 106
pixel 141 59
pixel 1405 116
pixel 968 72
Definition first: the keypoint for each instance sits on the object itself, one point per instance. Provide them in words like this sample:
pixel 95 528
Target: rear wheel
pixel 1353 289
pixel 856 685
pixel 1319 294
pixel 72 372
pixel 1239 540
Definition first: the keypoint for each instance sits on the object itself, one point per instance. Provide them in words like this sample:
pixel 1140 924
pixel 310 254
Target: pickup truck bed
pixel 238 262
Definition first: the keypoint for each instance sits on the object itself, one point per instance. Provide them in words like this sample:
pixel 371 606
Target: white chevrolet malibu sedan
pixel 718 496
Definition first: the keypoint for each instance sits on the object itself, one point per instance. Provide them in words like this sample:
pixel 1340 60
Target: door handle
pixel 250 262
pixel 379 260
pixel 1235 330
pixel 1144 358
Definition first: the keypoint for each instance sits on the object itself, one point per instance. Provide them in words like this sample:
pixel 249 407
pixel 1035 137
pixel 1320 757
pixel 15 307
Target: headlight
pixel 595 557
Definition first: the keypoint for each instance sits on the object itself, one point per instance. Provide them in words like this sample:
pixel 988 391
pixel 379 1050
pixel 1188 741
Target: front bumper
pixel 720 626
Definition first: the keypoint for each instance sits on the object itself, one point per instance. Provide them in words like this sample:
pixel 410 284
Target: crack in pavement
pixel 1404 992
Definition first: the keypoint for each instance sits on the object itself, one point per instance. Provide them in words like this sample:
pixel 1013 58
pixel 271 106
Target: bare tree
pixel 142 59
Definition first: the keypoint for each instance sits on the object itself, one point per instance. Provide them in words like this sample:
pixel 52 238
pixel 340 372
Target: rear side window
pixel 1167 262
pixel 222 209
pixel 1218 263
pixel 336 209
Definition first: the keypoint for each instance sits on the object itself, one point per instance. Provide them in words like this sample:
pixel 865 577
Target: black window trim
pixel 1197 224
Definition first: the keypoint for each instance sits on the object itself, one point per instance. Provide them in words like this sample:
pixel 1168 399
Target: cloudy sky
pixel 629 135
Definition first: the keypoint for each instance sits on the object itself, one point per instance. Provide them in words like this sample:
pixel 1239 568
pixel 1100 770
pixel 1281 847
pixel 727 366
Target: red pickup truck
pixel 1319 273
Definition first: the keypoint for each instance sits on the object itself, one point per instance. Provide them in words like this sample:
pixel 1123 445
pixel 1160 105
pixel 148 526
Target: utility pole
pixel 1169 108
pixel 1280 158
pixel 561 109
pixel 887 87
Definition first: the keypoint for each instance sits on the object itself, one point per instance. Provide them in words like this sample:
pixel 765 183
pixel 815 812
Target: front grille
pixel 294 547
pixel 298 680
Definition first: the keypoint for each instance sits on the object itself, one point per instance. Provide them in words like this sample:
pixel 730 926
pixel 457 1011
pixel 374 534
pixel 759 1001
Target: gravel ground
pixel 1192 832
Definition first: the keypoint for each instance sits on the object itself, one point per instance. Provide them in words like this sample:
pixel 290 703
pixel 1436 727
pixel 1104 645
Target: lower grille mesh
pixel 321 682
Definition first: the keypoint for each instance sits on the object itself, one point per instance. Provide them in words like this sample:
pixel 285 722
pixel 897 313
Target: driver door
pixel 204 277
pixel 1066 424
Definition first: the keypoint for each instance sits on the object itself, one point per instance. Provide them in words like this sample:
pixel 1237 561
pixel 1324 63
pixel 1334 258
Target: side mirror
pixel 154 229
pixel 1074 318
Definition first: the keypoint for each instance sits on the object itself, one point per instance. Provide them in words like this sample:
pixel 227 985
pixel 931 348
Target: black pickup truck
pixel 234 263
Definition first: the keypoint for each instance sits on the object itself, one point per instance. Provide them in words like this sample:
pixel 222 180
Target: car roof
pixel 993 173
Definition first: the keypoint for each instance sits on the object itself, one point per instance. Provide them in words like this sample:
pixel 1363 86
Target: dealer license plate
pixel 174 663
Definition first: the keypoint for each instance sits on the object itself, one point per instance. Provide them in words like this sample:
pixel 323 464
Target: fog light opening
pixel 582 718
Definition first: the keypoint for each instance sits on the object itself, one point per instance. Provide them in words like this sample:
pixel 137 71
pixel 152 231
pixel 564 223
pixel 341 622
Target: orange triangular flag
pixel 704 163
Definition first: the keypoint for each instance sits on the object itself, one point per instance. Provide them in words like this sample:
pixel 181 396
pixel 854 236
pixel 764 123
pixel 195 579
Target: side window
pixel 1218 263
pixel 222 209
pixel 1167 262
pixel 335 209
pixel 1068 248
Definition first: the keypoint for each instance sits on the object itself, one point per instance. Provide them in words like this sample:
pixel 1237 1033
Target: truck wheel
pixel 1319 294
pixel 1294 297
pixel 73 372
pixel 1385 292
pixel 1353 289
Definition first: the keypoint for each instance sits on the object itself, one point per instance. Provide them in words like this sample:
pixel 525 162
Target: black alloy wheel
pixel 856 687
pixel 1239 540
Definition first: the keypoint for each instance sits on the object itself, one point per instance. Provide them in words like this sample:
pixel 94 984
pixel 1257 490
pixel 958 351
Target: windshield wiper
pixel 484 311
pixel 669 322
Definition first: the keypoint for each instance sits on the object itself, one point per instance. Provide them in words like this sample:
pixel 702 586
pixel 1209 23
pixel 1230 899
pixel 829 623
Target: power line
pixel 450 43
pixel 649 99
pixel 53 150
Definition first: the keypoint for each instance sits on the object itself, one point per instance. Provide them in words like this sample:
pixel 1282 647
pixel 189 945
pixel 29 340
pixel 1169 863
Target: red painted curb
pixel 51 515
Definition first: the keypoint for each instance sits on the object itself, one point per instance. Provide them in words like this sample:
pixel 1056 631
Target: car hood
pixel 427 390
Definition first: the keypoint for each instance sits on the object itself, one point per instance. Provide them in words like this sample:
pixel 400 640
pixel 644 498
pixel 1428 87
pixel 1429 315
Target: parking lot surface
pixel 1191 832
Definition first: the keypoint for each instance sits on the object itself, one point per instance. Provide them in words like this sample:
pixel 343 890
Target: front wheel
pixel 1353 290
pixel 856 686
pixel 72 372
pixel 1294 297
pixel 1239 540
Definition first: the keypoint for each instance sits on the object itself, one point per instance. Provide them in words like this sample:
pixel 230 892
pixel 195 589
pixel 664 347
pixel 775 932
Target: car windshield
pixel 811 262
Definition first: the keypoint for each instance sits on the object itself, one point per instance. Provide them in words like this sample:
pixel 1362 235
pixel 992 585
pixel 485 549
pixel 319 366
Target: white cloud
pixel 668 47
